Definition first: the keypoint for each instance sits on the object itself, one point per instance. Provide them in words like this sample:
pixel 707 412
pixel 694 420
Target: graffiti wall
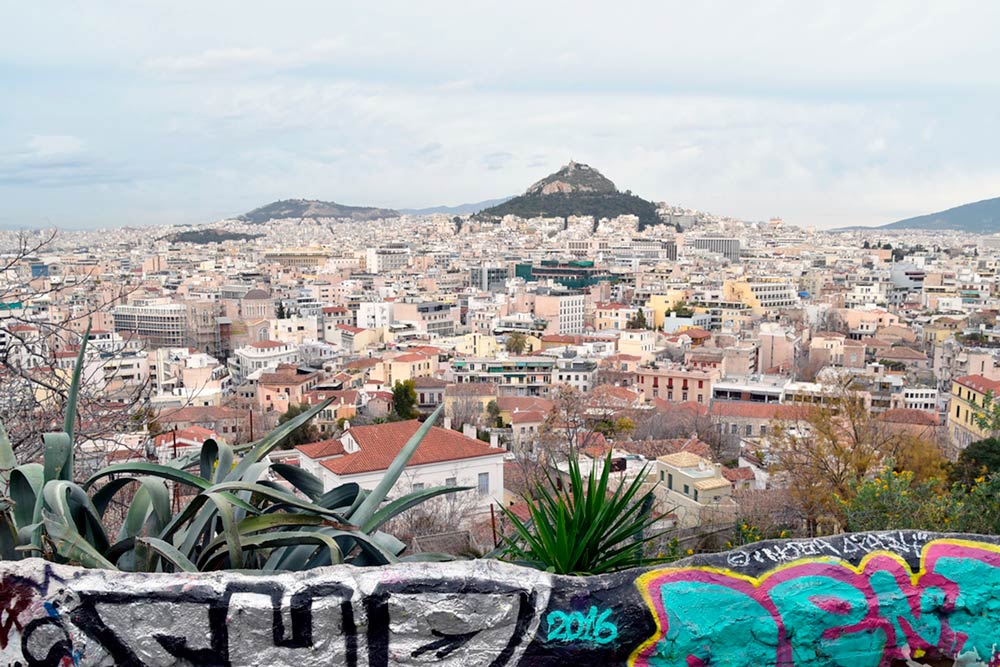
pixel 858 600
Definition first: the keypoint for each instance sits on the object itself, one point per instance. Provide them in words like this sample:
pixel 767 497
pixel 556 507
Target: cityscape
pixel 645 334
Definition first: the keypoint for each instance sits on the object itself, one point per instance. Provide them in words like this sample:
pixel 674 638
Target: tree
pixel 302 435
pixel 832 446
pixel 638 321
pixel 978 459
pixel 34 388
pixel 280 312
pixel 493 410
pixel 404 399
pixel 516 343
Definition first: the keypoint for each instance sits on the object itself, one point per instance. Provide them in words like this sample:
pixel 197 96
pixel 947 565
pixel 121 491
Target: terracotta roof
pixel 737 474
pixel 512 403
pixel 748 410
pixel 909 416
pixel 349 328
pixel 428 382
pixel 380 443
pixel 979 383
pixel 527 417
pixel 471 389
pixel 902 352
pixel 653 449
pixel 697 333
pixel 410 358
pixel 321 449
pixel 198 413
pixel 691 407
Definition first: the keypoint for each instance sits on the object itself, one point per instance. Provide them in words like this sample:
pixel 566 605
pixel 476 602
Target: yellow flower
pixel 690 551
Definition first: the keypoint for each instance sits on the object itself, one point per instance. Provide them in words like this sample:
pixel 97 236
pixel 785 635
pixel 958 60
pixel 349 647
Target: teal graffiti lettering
pixel 594 626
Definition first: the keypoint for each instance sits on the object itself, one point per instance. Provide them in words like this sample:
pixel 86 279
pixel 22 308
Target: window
pixel 484 483
pixel 662 475
pixel 749 430
pixel 687 490
pixel 763 430
pixel 451 481
pixel 696 495
pixel 670 481
pixel 734 429
pixel 419 486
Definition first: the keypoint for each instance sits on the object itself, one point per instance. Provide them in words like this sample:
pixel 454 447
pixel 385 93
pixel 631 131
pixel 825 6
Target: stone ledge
pixel 860 599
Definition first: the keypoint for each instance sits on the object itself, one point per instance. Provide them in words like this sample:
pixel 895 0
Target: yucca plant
pixel 584 527
pixel 236 519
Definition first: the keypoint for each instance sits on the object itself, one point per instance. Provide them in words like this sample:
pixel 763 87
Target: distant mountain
pixel 461 209
pixel 981 217
pixel 311 208
pixel 576 189
pixel 209 236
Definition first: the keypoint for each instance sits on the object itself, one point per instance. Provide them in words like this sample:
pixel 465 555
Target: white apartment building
pixel 260 356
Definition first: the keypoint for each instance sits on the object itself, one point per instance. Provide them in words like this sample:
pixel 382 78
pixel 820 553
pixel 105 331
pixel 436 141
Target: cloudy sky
pixel 179 112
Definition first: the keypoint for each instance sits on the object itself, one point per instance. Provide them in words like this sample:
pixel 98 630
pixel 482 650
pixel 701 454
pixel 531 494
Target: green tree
pixel 302 435
pixel 989 418
pixel 639 321
pixel 281 312
pixel 516 343
pixel 896 501
pixel 404 399
pixel 493 410
pixel 978 459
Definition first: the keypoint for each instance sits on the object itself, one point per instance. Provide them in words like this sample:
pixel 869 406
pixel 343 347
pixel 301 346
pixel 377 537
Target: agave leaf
pixel 69 423
pixel 400 505
pixel 306 482
pixel 345 495
pixel 58 456
pixel 257 524
pixel 26 482
pixel 280 497
pixel 364 513
pixel 232 535
pixel 224 463
pixel 68 502
pixel 290 538
pixel 169 553
pixel 135 518
pixel 153 469
pixel 7 459
pixel 273 439
pixel 207 458
pixel 69 544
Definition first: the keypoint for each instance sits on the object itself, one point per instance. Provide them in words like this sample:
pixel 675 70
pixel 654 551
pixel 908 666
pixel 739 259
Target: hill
pixel 576 189
pixel 461 209
pixel 312 208
pixel 209 236
pixel 981 217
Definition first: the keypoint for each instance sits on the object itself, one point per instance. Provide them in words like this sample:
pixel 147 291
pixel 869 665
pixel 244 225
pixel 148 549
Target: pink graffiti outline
pixel 910 583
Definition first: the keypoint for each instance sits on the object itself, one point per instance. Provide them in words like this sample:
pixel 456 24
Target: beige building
pixel 696 489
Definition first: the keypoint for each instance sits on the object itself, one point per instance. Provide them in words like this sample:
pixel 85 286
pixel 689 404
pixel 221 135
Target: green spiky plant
pixel 236 519
pixel 584 527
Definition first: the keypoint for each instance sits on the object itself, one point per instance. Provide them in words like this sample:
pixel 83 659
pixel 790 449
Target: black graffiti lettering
pixel 447 643
pixel 300 634
pixel 377 611
pixel 47 628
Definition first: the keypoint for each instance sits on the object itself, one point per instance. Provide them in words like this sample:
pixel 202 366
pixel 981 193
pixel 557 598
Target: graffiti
pixel 15 598
pixel 575 626
pixel 825 611
pixel 873 599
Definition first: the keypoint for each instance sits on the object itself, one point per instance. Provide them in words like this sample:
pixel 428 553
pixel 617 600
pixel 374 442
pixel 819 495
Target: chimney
pixel 347 426
pixel 494 439
pixel 469 431
pixel 447 422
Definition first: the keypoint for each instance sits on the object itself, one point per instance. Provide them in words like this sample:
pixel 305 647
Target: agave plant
pixel 237 518
pixel 584 527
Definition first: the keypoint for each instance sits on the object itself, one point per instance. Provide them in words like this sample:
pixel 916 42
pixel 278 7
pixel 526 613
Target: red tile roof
pixel 909 416
pixel 748 410
pixel 979 383
pixel 381 443
pixel 322 449
pixel 267 344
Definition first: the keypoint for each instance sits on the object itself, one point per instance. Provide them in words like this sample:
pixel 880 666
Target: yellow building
pixel 478 345
pixel 661 303
pixel 763 295
pixel 967 396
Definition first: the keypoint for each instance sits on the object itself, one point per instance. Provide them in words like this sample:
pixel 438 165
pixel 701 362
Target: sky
pixel 825 114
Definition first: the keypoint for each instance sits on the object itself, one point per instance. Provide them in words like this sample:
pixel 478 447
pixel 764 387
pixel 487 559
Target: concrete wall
pixel 864 599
